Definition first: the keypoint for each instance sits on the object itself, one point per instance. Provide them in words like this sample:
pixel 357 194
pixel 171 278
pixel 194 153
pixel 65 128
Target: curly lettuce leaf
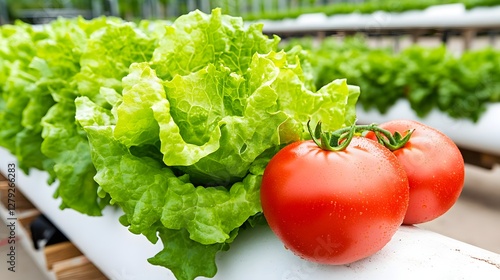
pixel 136 184
pixel 197 39
pixel 200 133
pixel 149 191
pixel 211 214
pixel 22 102
pixel 204 132
pixel 108 54
pixel 17 50
pixel 73 166
pixel 197 260
pixel 158 203
pixel 95 70
pixel 154 195
pixel 135 121
pixel 29 154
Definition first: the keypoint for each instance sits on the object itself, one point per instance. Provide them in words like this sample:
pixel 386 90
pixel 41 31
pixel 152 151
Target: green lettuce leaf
pixel 93 67
pixel 190 266
pixel 109 51
pixel 73 166
pixel 136 124
pixel 197 39
pixel 22 102
pixel 15 80
pixel 158 203
pixel 196 107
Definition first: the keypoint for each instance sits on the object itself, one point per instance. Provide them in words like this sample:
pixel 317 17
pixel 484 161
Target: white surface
pixel 413 253
pixel 483 136
pixel 434 17
pixel 109 245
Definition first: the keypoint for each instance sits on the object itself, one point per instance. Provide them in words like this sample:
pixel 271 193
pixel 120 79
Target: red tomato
pixel 334 207
pixel 435 169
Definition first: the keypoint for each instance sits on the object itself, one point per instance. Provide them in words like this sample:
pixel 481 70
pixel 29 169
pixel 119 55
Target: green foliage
pixel 363 7
pixel 429 78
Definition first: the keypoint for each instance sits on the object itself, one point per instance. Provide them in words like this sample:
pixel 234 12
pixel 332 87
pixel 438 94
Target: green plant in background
pixel 103 62
pixel 42 4
pixel 24 98
pixel 363 7
pixel 429 78
pixel 45 70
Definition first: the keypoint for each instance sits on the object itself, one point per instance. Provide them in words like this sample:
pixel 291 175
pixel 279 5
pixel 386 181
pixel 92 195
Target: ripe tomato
pixel 435 169
pixel 334 207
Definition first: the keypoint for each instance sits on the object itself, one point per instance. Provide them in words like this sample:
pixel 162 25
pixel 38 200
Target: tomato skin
pixel 435 169
pixel 334 207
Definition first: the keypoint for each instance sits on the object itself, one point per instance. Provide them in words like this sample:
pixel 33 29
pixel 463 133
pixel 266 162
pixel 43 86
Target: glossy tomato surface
pixel 334 207
pixel 435 169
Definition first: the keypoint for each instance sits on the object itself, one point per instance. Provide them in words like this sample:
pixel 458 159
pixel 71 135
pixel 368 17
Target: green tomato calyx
pixel 341 138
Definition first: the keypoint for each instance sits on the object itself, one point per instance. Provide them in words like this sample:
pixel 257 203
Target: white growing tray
pixel 483 136
pixel 452 16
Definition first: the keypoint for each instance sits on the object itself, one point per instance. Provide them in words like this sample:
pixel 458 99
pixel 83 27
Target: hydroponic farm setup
pixel 256 139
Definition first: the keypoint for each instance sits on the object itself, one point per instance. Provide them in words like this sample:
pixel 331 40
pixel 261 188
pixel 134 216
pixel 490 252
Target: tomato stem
pixel 336 141
pixel 341 138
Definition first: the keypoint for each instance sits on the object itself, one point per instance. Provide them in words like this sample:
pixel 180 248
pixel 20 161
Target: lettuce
pixel 88 58
pixel 173 123
pixel 23 96
pixel 43 70
pixel 182 150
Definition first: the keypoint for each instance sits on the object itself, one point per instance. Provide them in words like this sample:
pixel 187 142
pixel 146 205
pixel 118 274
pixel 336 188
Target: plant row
pixel 363 7
pixel 429 78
